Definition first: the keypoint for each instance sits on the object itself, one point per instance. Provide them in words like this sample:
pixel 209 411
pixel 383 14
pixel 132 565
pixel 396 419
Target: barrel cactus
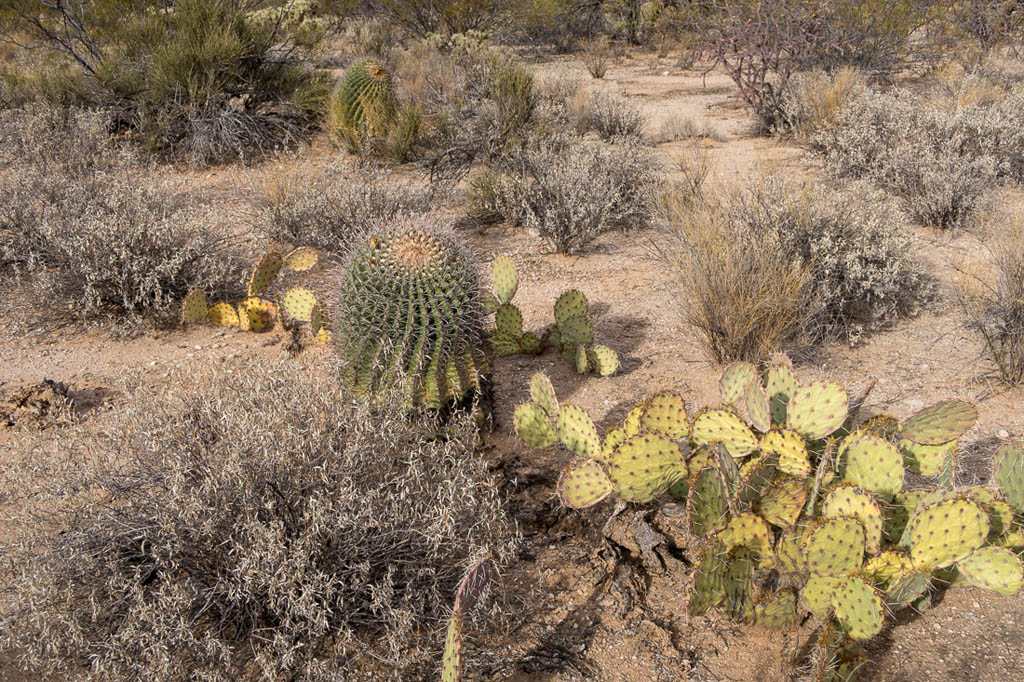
pixel 363 102
pixel 410 312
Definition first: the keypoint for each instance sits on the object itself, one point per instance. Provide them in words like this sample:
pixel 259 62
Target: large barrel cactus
pixel 410 312
pixel 364 101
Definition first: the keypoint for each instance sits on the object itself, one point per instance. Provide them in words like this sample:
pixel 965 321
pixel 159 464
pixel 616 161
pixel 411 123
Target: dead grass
pixel 249 524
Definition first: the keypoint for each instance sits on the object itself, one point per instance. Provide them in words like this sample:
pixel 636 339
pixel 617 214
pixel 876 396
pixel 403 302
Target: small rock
pixel 1003 433
pixel 915 404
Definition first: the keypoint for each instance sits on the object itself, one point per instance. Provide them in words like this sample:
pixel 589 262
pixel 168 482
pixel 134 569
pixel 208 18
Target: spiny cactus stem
pixel 819 477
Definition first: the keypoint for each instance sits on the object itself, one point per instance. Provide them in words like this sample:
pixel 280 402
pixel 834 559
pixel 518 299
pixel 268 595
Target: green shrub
pixel 204 81
pixel 245 524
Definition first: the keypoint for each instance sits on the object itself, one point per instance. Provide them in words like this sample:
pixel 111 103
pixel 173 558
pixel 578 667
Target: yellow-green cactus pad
pixel 193 308
pixel 603 360
pixel 506 281
pixel 583 484
pixel 756 477
pixel 703 456
pixel 530 344
pixel 723 426
pixel 543 394
pixel 665 413
pixel 734 380
pixel 850 501
pixel 451 661
pixel 816 595
pixel 576 331
pixel 858 608
pixel 582 361
pixel 835 547
pixel 533 426
pixel 941 422
pixel 875 465
pixel 577 432
pixel 887 566
pixel 301 259
pixel 633 424
pixel 780 386
pixel 755 403
pixel 782 503
pixel 945 532
pixel 505 344
pixel 570 304
pixel 907 587
pixel 1008 473
pixel 994 568
pixel 791 450
pixel 222 314
pixel 509 320
pixel 747 530
pixel 265 272
pixel 613 438
pixel 707 503
pixel 817 410
pixel 298 304
pixel 260 314
pixel 708 587
pixel 644 466
pixel 778 610
pixel 789 551
pixel 897 515
pixel 926 460
pixel 739 585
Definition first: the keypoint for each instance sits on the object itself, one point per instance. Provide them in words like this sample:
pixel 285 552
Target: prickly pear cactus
pixel 409 312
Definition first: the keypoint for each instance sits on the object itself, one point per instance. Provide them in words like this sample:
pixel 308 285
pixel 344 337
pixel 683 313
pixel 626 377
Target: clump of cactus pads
pixel 363 102
pixel 409 311
pixel 795 508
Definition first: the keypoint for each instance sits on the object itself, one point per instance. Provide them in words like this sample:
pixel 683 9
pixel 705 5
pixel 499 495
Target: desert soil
pixel 596 608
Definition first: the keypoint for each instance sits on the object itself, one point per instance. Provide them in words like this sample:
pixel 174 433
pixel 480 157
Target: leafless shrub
pixel 611 115
pixel 941 163
pixel 784 265
pixel 992 299
pixel 693 163
pixel 675 128
pixel 255 525
pixel 570 192
pixel 327 208
pixel 816 99
pixel 88 234
pixel 596 55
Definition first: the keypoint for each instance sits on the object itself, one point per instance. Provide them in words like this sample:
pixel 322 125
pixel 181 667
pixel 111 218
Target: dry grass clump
pixel 610 115
pixel 993 300
pixel 86 238
pixel 815 99
pixel 571 191
pixel 327 208
pixel 597 54
pixel 256 526
pixel 785 265
pixel 940 163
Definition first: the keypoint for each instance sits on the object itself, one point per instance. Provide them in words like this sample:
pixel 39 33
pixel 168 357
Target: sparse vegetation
pixel 611 115
pixel 211 531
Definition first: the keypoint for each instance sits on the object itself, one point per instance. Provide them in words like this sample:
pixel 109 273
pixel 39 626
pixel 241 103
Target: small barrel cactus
pixel 410 312
pixel 364 100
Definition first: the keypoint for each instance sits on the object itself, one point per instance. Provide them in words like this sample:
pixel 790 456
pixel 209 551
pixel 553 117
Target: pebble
pixel 1003 433
pixel 915 404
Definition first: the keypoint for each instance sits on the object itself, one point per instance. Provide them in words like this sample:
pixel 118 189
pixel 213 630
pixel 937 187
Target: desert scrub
pixel 571 191
pixel 939 162
pixel 815 100
pixel 206 82
pixel 328 208
pixel 611 115
pixel 245 525
pixel 785 265
pixel 89 233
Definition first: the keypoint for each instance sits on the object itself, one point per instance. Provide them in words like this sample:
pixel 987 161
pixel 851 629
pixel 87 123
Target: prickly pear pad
pixel 193 308
pixel 858 608
pixel 816 595
pixel 875 465
pixel 543 394
pixel 583 484
pixel 835 547
pixel 780 386
pixel 644 466
pixel 926 460
pixel 817 410
pixel 570 304
pixel 577 432
pixel 451 661
pixel 298 304
pixel 756 406
pixel 849 501
pixel 777 610
pixel 947 531
pixel 222 314
pixel 265 272
pixel 781 505
pixel 506 281
pixel 709 510
pixel 301 259
pixel 603 360
pixel 708 586
pixel 1008 471
pixel 632 424
pixel 533 426
pixel 791 450
pixel 509 320
pixel 907 587
pixel 665 413
pixel 994 568
pixel 750 531
pixel 941 422
pixel 723 426
pixel 734 380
